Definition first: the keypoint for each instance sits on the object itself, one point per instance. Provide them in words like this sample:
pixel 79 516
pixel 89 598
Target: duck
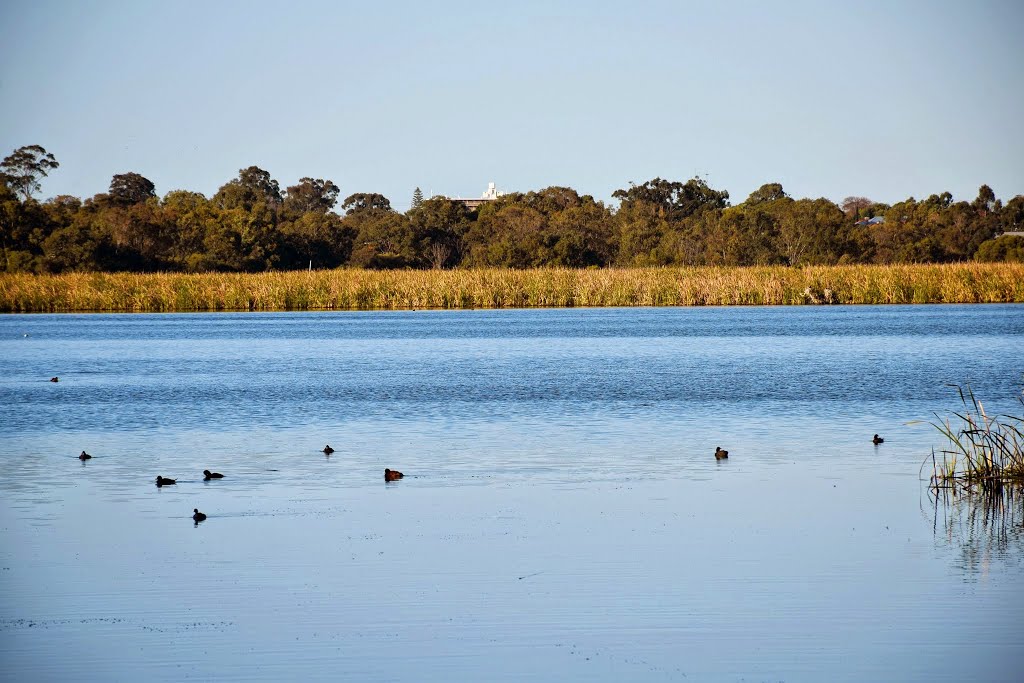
pixel 55 379
pixel 197 516
pixel 328 450
pixel 84 456
pixel 164 481
pixel 721 454
pixel 877 440
pixel 392 475
pixel 208 475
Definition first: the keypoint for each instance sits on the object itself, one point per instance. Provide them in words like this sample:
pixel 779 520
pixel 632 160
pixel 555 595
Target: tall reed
pixel 352 289
pixel 983 451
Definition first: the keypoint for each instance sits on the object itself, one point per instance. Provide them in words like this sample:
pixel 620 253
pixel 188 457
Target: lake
pixel 562 515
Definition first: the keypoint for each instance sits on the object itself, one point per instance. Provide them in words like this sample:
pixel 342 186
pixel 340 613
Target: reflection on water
pixel 562 516
pixel 986 526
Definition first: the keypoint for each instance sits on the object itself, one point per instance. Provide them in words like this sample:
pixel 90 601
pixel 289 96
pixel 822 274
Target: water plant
pixel 357 289
pixel 983 452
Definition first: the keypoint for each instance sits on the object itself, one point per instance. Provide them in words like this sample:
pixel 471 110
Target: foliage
pixel 674 200
pixel 252 187
pixel 769 192
pixel 383 239
pixel 438 229
pixel 310 196
pixel 251 225
pixel 22 169
pixel 856 206
pixel 361 201
pixel 1005 248
pixel 131 188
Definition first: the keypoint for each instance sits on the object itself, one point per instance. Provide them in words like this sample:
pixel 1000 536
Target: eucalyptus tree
pixel 23 168
pixel 131 188
pixel 854 206
pixel 253 186
pixel 674 200
pixel 310 195
pixel 361 201
pixel 769 192
pixel 438 226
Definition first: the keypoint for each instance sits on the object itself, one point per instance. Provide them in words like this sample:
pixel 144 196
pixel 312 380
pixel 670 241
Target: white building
pixel 489 195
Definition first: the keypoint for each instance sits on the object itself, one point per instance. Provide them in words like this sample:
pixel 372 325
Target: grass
pixel 983 452
pixel 352 289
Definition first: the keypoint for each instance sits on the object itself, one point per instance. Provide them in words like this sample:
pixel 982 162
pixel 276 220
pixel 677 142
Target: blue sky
pixel 881 99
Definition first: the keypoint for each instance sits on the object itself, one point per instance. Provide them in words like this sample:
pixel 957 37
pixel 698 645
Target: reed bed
pixel 983 452
pixel 352 289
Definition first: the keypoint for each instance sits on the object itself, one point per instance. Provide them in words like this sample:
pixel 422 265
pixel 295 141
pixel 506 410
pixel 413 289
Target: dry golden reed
pixel 351 289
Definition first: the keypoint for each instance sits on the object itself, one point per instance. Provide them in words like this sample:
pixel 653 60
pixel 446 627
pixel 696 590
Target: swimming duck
pixel 208 475
pixel 55 379
pixel 164 481
pixel 392 475
pixel 84 456
pixel 197 516
pixel 721 454
pixel 877 440
pixel 328 450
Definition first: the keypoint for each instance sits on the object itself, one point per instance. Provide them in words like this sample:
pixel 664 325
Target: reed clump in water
pixel 355 289
pixel 983 453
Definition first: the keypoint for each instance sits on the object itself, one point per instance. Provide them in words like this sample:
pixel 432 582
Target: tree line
pixel 250 224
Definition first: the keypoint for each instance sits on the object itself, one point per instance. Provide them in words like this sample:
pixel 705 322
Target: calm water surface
pixel 562 515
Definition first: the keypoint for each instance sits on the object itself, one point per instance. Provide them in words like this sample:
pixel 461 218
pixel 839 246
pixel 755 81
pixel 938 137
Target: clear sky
pixel 885 99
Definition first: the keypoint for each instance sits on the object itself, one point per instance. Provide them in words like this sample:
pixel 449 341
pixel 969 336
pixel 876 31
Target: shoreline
pixel 356 290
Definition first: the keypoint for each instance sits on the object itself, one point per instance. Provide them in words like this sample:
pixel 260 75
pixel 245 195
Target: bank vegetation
pixel 363 289
pixel 254 225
